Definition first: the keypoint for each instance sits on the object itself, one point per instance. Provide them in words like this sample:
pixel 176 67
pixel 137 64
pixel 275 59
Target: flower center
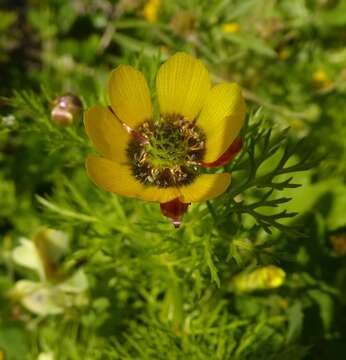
pixel 171 154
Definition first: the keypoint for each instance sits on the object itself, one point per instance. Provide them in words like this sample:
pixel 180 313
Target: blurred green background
pixel 241 279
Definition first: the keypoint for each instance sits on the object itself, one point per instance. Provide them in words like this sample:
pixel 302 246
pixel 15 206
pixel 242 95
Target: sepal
pixel 174 210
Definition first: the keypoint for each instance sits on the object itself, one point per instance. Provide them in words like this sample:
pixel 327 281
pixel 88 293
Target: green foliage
pixel 155 292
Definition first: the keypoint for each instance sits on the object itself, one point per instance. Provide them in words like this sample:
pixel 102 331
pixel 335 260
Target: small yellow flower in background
pixel 231 27
pixel 151 10
pixel 321 79
pixel 267 277
pixel 320 76
pixel 160 159
pixel 2 355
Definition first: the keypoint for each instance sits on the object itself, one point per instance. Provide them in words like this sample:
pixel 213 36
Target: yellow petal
pixel 129 95
pixel 182 85
pixel 205 187
pixel 221 118
pixel 106 133
pixel 117 178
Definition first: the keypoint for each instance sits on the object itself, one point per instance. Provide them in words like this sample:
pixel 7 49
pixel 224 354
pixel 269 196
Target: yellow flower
pixel 321 79
pixel 231 27
pixel 159 159
pixel 151 9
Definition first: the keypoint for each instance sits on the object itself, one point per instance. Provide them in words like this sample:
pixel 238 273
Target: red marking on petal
pixel 143 140
pixel 174 210
pixel 135 134
pixel 227 156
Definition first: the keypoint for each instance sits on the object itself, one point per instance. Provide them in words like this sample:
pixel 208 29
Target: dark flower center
pixel 172 153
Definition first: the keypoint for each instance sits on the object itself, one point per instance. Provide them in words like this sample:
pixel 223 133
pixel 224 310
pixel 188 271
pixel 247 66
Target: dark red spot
pixel 227 156
pixel 140 138
pixel 174 210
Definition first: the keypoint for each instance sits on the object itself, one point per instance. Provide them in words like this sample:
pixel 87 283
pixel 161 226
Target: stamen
pixel 171 156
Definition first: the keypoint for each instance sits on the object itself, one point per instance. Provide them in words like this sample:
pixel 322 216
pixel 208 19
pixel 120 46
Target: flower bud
pixel 267 277
pixel 174 210
pixel 66 109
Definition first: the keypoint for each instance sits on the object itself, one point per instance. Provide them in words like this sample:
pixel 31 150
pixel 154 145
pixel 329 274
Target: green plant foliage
pixel 257 273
